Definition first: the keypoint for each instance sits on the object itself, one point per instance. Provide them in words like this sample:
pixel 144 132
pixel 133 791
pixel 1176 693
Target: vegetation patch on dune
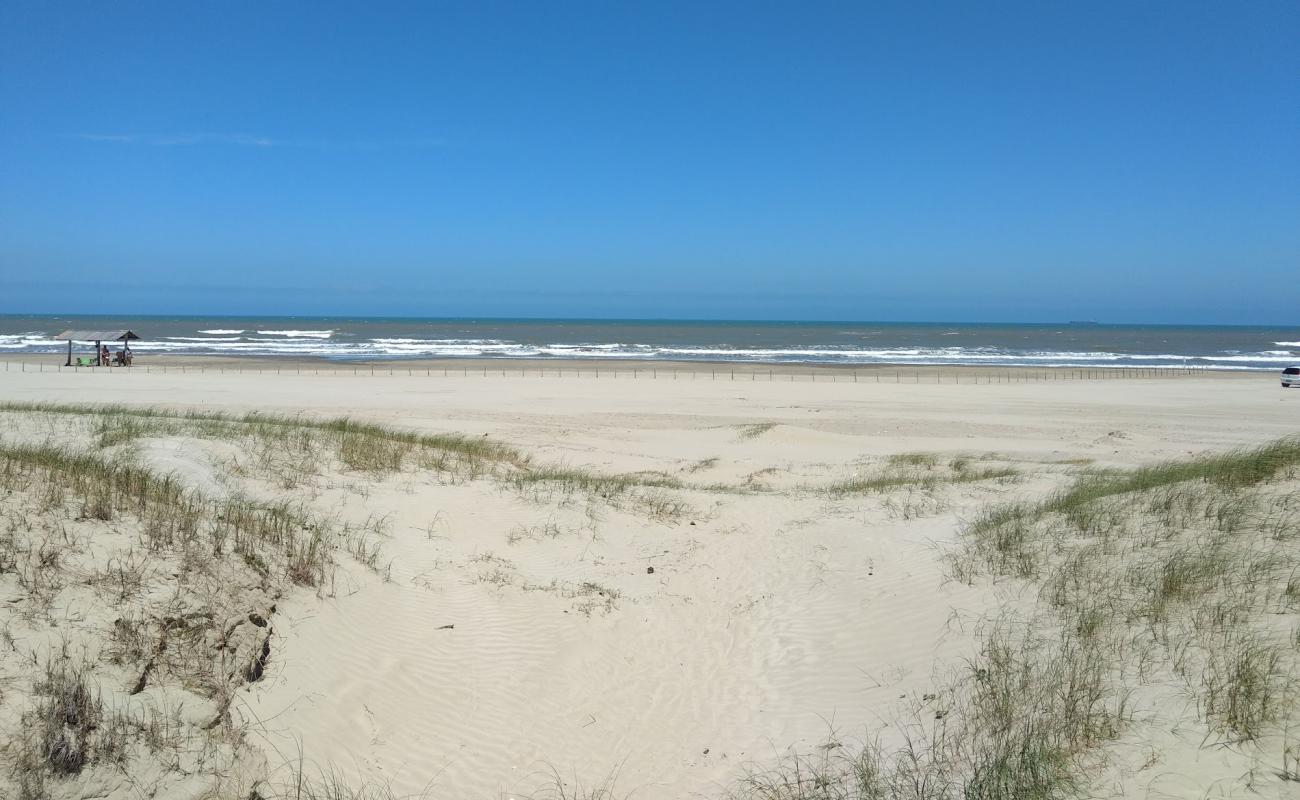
pixel 753 430
pixel 290 449
pixel 917 470
pixel 137 597
pixel 1153 585
pixel 1170 588
pixel 170 514
pixel 361 445
pixel 643 492
pixel 186 583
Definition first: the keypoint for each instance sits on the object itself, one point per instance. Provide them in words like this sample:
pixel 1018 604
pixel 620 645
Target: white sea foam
pixel 32 340
pixel 410 341
pixel 299 334
pixel 201 338
pixel 324 344
pixel 1261 358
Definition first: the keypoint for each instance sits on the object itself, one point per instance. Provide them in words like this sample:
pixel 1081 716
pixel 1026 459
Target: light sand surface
pixel 517 635
pixel 634 424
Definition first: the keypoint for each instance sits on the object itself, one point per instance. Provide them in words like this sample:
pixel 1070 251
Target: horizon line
pixel 702 320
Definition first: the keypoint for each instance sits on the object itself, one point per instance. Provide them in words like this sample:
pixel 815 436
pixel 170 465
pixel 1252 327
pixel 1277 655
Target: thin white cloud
pixel 180 139
pixel 241 139
pixel 249 140
pixel 107 137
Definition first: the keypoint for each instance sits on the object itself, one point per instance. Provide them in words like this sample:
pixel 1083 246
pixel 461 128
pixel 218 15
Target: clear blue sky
pixel 1127 161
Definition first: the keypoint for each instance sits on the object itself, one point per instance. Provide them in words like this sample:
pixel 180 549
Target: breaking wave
pixel 339 344
pixel 298 334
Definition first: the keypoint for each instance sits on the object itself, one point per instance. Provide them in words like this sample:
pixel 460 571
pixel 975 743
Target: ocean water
pixel 340 338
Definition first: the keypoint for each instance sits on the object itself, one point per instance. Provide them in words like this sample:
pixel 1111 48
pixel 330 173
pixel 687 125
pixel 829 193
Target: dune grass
pixel 361 445
pixel 307 783
pixel 1237 469
pixel 1002 536
pixel 647 493
pixel 753 430
pixel 194 580
pixel 1168 578
pixel 570 480
pixel 1178 577
pixel 289 448
pixel 66 730
pixel 170 514
pixel 917 470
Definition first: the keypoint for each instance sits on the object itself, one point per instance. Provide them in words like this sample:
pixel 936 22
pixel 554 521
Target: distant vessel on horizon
pixel 1084 322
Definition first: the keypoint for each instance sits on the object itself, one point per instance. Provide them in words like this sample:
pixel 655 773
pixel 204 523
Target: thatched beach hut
pixel 99 337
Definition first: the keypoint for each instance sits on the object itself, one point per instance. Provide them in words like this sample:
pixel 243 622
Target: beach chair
pixel 87 361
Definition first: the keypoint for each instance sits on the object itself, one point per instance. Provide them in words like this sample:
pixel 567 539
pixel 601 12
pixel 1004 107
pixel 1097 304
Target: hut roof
pixel 97 336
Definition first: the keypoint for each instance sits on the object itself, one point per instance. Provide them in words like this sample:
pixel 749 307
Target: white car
pixel 1290 377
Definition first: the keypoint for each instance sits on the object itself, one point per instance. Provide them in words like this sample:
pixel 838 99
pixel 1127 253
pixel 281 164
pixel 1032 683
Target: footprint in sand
pixel 375 738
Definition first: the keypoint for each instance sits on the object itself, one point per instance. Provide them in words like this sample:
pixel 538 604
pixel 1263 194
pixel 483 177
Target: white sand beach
pixel 485 639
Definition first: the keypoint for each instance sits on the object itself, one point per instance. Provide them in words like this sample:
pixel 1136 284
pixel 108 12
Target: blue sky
pixel 1133 161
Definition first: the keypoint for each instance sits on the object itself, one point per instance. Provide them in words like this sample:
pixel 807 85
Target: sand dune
pixel 672 636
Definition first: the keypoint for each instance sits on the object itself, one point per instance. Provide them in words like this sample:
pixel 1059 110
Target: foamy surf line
pixel 329 345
